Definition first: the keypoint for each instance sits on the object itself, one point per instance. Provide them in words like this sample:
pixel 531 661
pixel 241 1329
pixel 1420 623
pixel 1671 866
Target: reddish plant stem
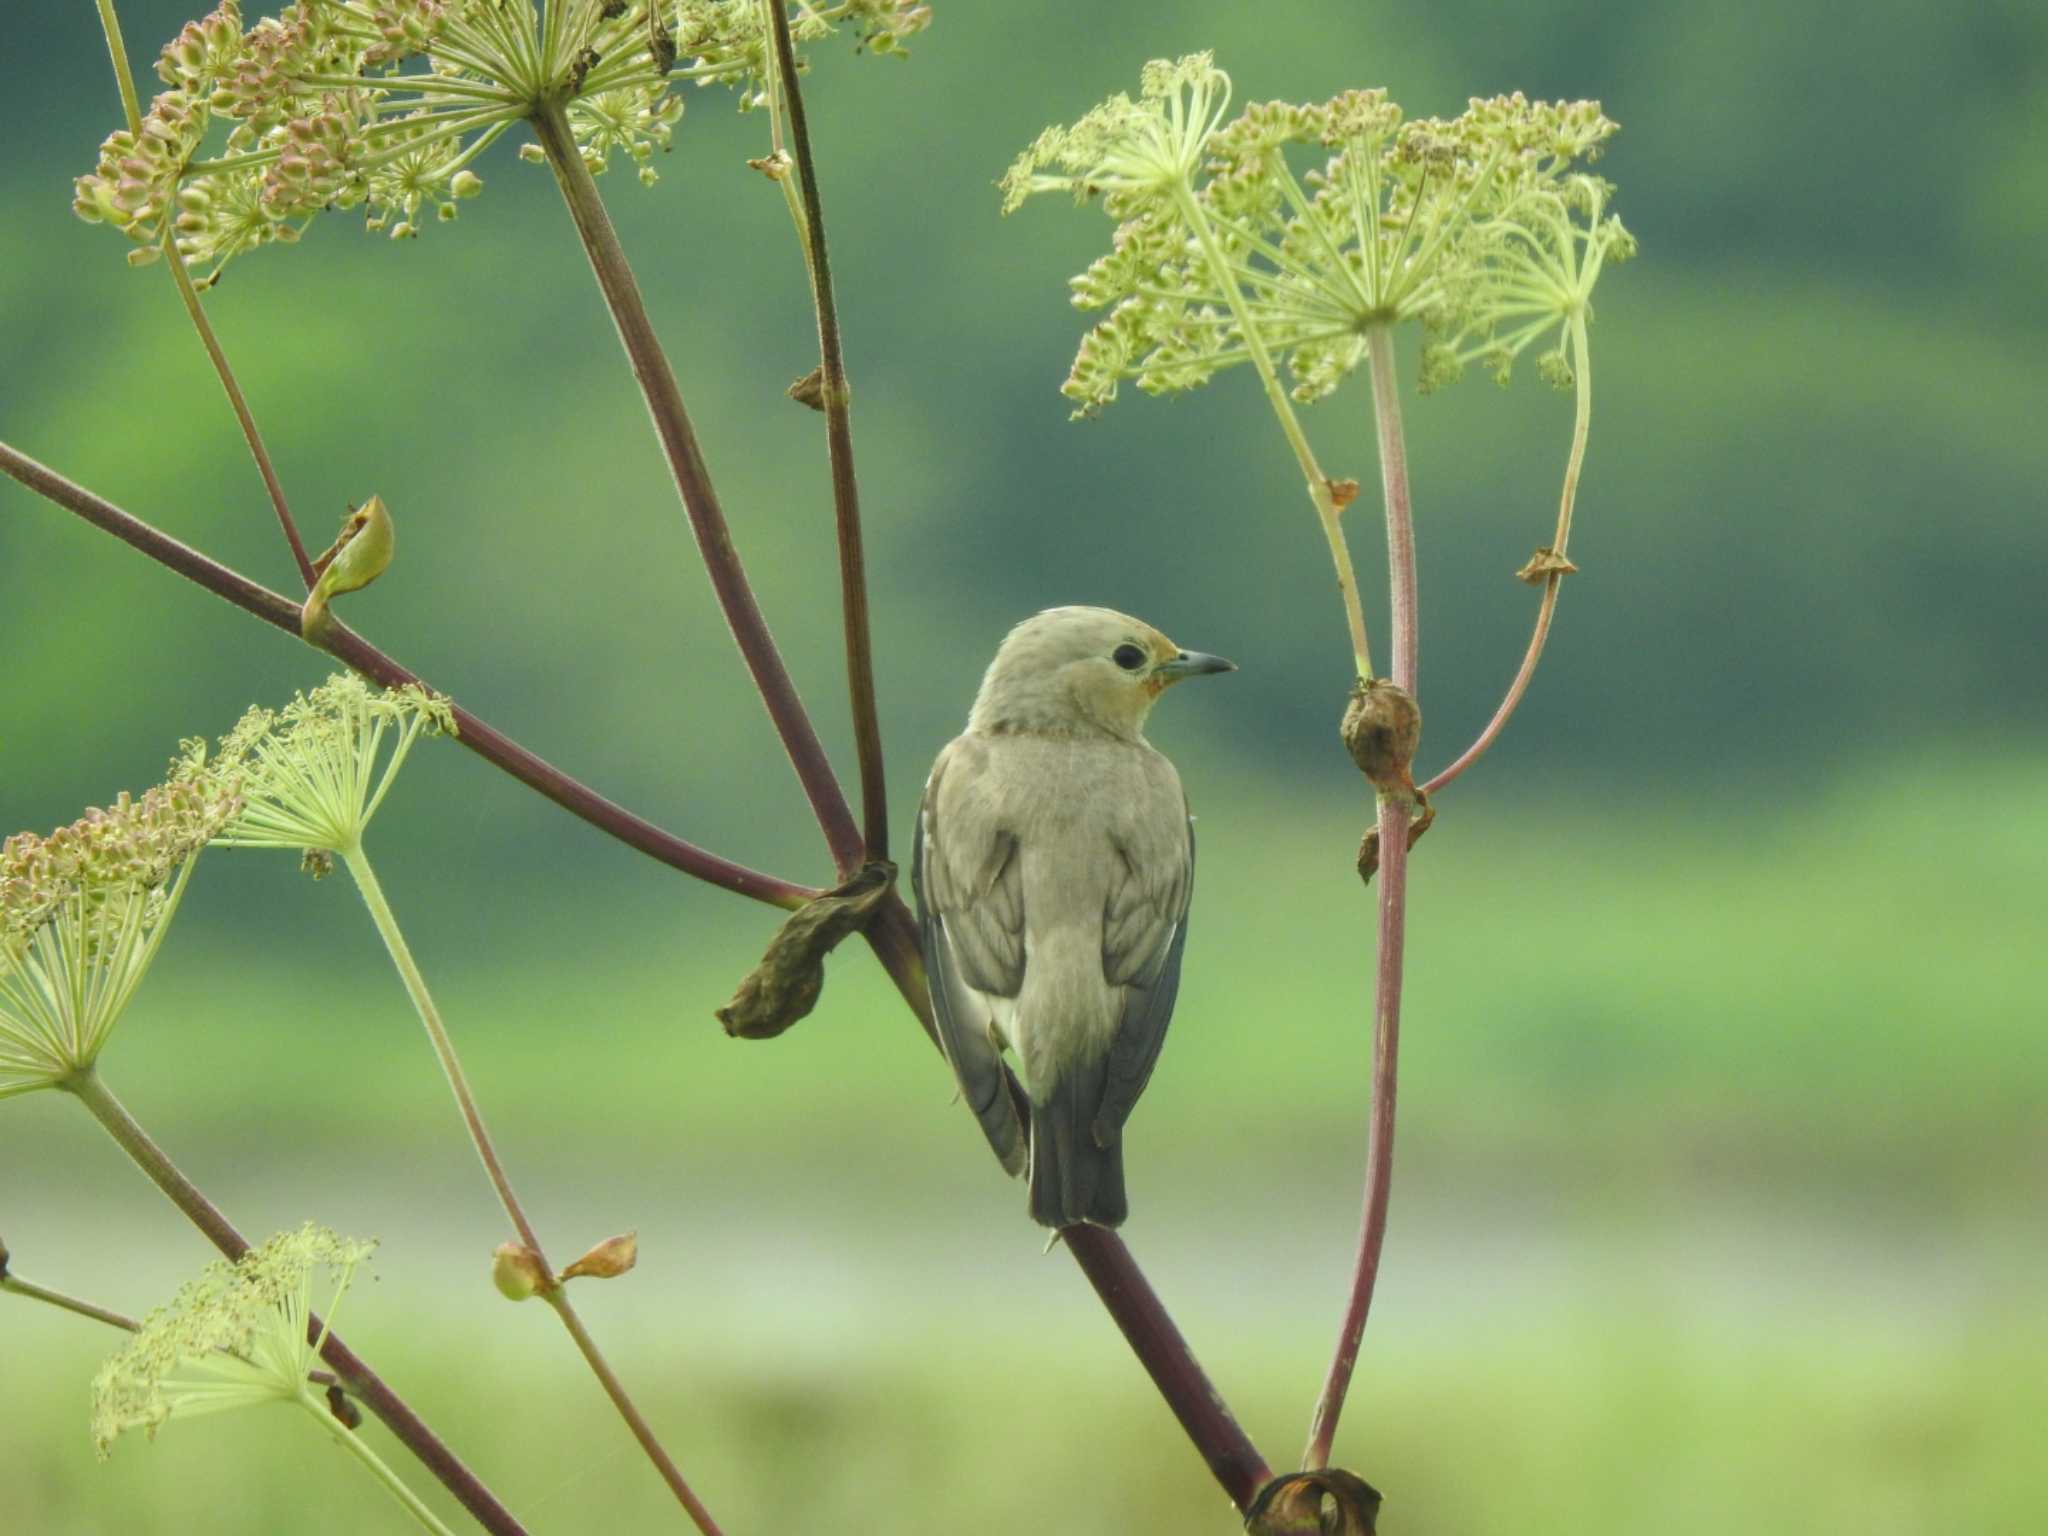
pixel 693 481
pixel 110 24
pixel 1516 689
pixel 892 934
pixel 1137 1310
pixel 642 1430
pixel 345 645
pixel 250 435
pixel 1128 1297
pixel 1394 817
pixel 1582 419
pixel 838 401
pixel 360 1381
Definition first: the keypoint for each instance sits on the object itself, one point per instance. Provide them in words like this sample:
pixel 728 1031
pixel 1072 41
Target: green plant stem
pixel 1319 487
pixel 437 1034
pixel 1394 817
pixel 494 1168
pixel 838 401
pixel 1582 419
pixel 243 416
pixel 124 75
pixel 20 1287
pixel 359 1448
pixel 642 1431
pixel 350 648
pixel 693 482
pixel 117 50
pixel 354 1375
pixel 892 934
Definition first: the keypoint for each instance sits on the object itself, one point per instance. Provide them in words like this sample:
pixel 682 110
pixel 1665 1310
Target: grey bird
pixel 1054 861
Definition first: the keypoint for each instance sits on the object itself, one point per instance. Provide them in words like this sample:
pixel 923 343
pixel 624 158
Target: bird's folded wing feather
pixel 1144 930
pixel 970 912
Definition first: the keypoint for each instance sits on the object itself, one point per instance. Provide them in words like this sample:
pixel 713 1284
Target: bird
pixel 1053 865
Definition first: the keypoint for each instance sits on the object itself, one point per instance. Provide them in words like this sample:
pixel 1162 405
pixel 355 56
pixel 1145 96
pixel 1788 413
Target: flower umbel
pixel 234 1337
pixel 387 104
pixel 82 913
pixel 313 774
pixel 1482 226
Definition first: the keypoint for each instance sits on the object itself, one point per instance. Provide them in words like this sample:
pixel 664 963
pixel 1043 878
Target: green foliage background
pixel 1719 1189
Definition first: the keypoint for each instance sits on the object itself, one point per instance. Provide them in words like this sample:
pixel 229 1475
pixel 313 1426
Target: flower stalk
pixel 1555 569
pixel 678 437
pixel 124 76
pixel 243 1334
pixel 1395 814
pixel 351 1371
pixel 313 777
pixel 838 403
pixel 346 646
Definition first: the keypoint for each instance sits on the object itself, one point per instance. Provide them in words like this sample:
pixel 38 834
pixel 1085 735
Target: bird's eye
pixel 1129 657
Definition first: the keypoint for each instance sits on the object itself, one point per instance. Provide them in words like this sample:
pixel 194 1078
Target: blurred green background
pixel 1719 1193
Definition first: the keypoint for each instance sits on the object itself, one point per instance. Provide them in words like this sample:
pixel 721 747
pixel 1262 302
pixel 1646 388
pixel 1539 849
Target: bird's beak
pixel 1193 664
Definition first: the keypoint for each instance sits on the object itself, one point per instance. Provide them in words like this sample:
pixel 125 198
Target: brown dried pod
pixel 1382 726
pixel 1543 565
pixel 1369 845
pixel 344 1408
pixel 785 985
pixel 1331 1502
pixel 810 389
pixel 607 1260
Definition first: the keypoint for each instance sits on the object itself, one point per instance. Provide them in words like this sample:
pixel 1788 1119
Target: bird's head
pixel 1074 671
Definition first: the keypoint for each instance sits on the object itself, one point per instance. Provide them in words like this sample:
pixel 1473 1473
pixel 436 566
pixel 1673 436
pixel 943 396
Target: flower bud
pixel 517 1271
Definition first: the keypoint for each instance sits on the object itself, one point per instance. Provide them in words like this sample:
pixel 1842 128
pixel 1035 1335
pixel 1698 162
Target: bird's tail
pixel 1074 1177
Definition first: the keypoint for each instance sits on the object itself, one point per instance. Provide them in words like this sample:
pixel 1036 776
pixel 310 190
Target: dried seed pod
pixel 1331 1502
pixel 607 1260
pixel 1381 728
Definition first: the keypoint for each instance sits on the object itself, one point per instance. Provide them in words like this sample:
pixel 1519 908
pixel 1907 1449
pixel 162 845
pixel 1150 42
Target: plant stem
pixel 1582 418
pixel 480 1137
pixel 1394 816
pixel 693 481
pixel 642 1431
pixel 1125 1293
pixel 357 1377
pixel 250 435
pixel 892 934
pixel 58 1299
pixel 359 1448
pixel 1393 453
pixel 117 50
pixel 444 1048
pixel 125 76
pixel 1319 491
pixel 853 586
pixel 346 646
pixel 1137 1310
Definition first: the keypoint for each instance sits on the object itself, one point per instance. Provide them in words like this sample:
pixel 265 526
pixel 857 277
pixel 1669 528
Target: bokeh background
pixel 1719 1191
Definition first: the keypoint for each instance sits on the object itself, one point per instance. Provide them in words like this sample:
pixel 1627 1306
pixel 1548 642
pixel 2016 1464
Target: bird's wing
pixel 1144 930
pixel 970 916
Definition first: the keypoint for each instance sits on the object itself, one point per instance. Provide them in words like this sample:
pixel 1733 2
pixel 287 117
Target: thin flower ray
pixel 313 775
pixel 83 913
